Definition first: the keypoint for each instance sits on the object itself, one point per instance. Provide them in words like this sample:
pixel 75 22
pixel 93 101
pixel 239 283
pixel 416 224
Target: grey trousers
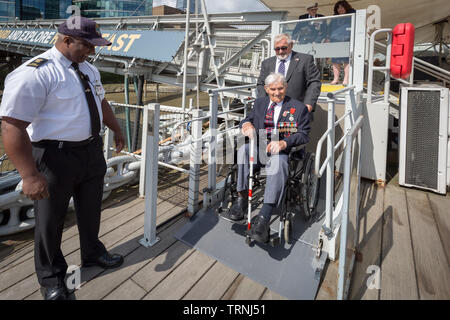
pixel 276 172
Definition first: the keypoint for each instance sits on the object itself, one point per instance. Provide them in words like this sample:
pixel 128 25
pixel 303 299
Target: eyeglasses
pixel 280 48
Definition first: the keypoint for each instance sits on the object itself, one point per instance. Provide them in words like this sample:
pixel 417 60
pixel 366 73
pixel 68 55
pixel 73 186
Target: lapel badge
pixel 291 118
pixel 285 114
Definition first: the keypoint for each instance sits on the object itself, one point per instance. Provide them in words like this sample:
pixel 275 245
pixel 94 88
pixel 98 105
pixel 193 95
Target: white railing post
pixel 330 169
pixel 145 134
pixel 151 175
pixel 213 142
pixel 107 143
pixel 195 161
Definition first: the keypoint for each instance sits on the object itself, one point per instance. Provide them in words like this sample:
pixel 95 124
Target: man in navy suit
pixel 299 70
pixel 279 122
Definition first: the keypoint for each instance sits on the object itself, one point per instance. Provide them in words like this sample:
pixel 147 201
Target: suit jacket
pixel 293 107
pixel 303 78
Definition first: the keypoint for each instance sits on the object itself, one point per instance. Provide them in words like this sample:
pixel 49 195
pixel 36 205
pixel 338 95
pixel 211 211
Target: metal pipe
pixel 173 167
pixel 210 91
pixel 333 94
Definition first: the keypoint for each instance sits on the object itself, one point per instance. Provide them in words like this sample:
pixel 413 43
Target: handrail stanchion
pixel 330 169
pixel 213 98
pixel 194 163
pixel 151 176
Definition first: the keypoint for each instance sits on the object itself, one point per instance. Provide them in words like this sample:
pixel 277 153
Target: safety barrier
pixel 337 216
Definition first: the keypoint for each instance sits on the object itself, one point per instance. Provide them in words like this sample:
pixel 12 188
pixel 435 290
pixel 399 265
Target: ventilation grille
pixel 422 138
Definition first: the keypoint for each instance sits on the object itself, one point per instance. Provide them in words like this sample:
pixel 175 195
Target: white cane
pixel 250 182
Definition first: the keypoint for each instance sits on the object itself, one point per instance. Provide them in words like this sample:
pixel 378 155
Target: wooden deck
pixel 403 231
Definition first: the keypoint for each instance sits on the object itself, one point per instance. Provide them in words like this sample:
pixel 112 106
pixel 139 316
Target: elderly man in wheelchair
pixel 280 125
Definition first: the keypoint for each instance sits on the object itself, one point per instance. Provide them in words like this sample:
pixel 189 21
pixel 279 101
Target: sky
pixel 218 6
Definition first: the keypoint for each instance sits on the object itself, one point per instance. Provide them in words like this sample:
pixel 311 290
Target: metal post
pixel 330 169
pixel 195 161
pixel 186 41
pixel 213 102
pixel 144 153
pixel 387 72
pixel 107 143
pixel 127 111
pixel 151 176
pixel 344 221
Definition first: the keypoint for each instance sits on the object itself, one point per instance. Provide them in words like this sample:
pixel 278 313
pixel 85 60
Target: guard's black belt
pixel 64 144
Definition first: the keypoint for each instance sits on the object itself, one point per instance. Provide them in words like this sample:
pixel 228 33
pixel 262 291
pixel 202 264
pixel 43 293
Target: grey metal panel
pixel 374 141
pixel 422 138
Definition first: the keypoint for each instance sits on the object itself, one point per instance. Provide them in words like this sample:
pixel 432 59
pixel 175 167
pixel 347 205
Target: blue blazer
pixel 300 121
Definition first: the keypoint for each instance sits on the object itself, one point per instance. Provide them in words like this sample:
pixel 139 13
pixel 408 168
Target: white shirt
pixel 51 97
pixel 286 64
pixel 276 113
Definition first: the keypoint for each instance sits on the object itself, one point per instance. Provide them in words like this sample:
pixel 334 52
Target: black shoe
pixel 55 293
pixel 259 229
pixel 237 210
pixel 106 261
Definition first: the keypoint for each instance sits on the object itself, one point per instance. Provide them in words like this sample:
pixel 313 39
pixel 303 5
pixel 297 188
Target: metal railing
pixel 344 269
pixel 328 163
pixel 337 216
pixel 214 106
pixel 419 64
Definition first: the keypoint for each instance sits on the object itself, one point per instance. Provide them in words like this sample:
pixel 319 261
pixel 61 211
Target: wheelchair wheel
pixel 310 188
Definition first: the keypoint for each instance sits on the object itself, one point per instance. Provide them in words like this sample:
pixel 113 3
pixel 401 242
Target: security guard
pixel 52 110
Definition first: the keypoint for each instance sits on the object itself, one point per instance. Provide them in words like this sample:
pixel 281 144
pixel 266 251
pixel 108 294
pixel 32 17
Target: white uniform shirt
pixel 286 64
pixel 51 97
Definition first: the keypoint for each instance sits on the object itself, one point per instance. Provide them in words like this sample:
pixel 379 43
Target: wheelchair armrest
pixel 297 148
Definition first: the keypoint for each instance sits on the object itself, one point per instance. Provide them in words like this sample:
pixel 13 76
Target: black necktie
pixel 95 118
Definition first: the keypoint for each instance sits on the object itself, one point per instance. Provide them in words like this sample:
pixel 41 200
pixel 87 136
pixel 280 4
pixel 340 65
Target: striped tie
pixel 268 122
pixel 281 67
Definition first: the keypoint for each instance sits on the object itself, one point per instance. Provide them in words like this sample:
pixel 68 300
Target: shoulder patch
pixel 37 62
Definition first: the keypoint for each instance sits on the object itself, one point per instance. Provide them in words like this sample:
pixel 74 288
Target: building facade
pixel 182 5
pixel 7 10
pixel 33 9
pixel 114 8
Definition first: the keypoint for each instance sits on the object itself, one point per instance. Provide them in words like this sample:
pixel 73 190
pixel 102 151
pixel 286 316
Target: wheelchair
pixel 300 196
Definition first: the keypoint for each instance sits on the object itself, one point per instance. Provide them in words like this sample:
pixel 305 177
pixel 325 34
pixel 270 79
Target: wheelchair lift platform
pixel 291 270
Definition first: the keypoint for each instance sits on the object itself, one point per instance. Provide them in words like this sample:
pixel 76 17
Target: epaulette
pixel 37 62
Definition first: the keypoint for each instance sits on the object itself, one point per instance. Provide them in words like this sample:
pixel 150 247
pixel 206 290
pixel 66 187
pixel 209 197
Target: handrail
pixel 246 86
pixel 426 67
pixel 345 207
pixel 325 135
pixel 333 94
pixel 386 68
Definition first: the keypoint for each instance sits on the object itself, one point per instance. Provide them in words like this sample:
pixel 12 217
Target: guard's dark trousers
pixel 76 171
